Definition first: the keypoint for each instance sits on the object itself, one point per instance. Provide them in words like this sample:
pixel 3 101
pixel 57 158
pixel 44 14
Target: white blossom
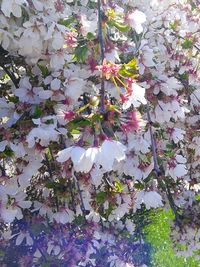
pixel 109 152
pixel 151 199
pixel 12 6
pixel 136 98
pixel 136 19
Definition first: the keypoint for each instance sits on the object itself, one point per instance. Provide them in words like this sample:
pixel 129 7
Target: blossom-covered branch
pixel 99 129
pixel 101 43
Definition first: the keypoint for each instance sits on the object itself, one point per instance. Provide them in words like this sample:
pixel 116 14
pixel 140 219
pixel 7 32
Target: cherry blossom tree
pixel 99 130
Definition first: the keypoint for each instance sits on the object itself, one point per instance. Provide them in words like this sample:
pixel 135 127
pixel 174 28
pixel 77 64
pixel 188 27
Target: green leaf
pixel 78 123
pixel 37 112
pixel 132 64
pixel 169 153
pixel 97 117
pixel 13 99
pixel 193 5
pixel 44 70
pixel 101 197
pixel 148 179
pixel 114 107
pixel 79 220
pixel 173 25
pixel 119 187
pixel 7 153
pixel 75 131
pixel 25 14
pixel 121 27
pixel 184 76
pixel 129 69
pixel 197 197
pixel 50 185
pixel 80 53
pixel 170 146
pixel 108 211
pixel 139 185
pixel 67 22
pixel 58 186
pixel 90 36
pixel 187 44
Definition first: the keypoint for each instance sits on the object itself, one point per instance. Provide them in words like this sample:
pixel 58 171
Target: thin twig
pixel 72 195
pixel 79 191
pixel 69 182
pixel 100 30
pixel 153 146
pixel 37 246
pixel 51 176
pixel 102 98
pixel 101 42
pixel 11 75
pixel 3 171
pixel 158 171
pixel 173 205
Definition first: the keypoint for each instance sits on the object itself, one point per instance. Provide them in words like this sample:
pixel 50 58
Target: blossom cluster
pixel 99 123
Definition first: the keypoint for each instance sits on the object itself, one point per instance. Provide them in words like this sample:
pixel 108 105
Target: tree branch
pixel 101 42
pixel 157 170
pixel 48 165
pixel 37 246
pixel 3 171
pixel 72 195
pixel 11 75
pixel 100 30
pixel 80 193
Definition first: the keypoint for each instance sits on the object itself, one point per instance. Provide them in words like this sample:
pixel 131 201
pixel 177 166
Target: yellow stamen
pixel 113 79
pixel 82 108
pixel 125 85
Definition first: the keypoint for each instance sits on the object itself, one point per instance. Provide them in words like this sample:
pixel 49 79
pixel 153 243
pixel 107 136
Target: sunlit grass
pixel 158 235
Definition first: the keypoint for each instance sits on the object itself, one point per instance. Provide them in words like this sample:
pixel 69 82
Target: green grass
pixel 158 236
